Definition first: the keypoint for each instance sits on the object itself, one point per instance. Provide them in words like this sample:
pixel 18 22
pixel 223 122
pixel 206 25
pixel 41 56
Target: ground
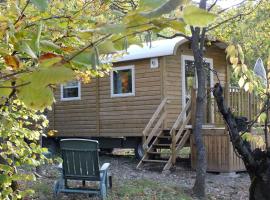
pixel 130 183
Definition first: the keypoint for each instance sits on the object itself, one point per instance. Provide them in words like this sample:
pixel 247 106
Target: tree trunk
pixel 257 162
pixel 199 186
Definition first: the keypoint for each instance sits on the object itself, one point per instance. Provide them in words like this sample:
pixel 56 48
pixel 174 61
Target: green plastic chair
pixel 81 162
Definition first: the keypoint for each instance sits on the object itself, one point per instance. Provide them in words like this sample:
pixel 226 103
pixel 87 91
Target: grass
pixel 42 190
pixel 145 189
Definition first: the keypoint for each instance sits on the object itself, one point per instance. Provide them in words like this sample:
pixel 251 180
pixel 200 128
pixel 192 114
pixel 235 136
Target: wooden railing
pixel 156 121
pixel 241 103
pixel 179 134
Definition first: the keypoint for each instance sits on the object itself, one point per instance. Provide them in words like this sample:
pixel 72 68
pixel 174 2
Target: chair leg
pixel 103 191
pixel 56 189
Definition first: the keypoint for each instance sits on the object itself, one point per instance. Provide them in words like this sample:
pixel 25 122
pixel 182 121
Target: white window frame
pixel 133 81
pixel 71 98
pixel 191 58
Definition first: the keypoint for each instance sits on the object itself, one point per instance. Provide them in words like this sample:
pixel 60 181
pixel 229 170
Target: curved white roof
pixel 158 48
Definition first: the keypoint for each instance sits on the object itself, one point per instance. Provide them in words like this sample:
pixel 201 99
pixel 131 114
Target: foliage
pixel 20 131
pixel 251 83
pixel 251 31
pixel 44 43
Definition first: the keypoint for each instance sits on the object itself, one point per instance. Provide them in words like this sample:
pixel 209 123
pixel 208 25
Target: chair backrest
pixel 80 159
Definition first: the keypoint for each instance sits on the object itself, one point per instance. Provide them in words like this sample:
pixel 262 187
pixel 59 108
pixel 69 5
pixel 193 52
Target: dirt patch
pixel 123 170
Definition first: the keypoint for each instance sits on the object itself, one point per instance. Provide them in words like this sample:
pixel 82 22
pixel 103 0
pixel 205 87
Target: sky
pixel 224 3
pixel 228 3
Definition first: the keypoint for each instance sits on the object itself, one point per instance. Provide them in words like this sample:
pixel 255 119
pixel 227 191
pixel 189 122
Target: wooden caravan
pixel 144 103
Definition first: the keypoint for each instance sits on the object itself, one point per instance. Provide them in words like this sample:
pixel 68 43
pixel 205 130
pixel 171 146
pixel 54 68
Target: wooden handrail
pixel 154 130
pixel 181 116
pixel 154 116
pixel 178 134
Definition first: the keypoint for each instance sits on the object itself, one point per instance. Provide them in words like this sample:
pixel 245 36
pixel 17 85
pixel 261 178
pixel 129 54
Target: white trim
pixel 157 48
pixel 133 81
pixel 71 98
pixel 187 57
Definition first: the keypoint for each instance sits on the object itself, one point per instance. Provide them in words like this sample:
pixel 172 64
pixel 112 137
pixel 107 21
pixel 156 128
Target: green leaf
pixel 50 75
pixel 106 47
pixel 5 92
pixel 37 98
pixel 42 5
pixel 177 25
pixel 151 4
pixel 49 46
pixel 247 137
pixel 36 40
pixel 262 117
pixel 112 28
pixel 83 59
pixel 50 62
pixel 165 8
pixel 26 49
pixel 37 94
pixel 195 16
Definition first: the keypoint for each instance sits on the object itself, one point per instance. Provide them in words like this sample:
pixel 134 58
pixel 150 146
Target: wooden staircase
pixel 159 142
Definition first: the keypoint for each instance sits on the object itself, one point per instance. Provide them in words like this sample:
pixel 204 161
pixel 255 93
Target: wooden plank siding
pixel 99 114
pixel 75 117
pixel 173 77
pixel 127 116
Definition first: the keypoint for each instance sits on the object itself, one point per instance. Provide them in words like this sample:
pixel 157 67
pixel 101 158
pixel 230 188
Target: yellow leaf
pixel 241 82
pixel 195 16
pixel 234 60
pixel 12 61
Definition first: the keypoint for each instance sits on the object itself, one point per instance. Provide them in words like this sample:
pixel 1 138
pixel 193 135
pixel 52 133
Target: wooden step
pixel 158 153
pixel 162 145
pixel 155 161
pixel 165 137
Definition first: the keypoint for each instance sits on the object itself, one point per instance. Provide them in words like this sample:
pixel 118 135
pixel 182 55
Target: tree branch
pixel 234 17
pixel 88 46
pixel 242 148
pixel 212 5
pixel 174 36
pixel 22 13
pixel 13 74
pixel 15 86
pixel 225 9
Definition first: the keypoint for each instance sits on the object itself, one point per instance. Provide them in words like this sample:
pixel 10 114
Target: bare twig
pixel 212 5
pixel 22 13
pixel 13 74
pixel 15 86
pixel 174 36
pixel 92 44
pixel 240 15
pixel 225 9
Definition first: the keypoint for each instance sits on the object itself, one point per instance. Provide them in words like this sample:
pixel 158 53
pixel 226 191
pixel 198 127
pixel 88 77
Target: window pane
pixel 71 84
pixel 122 81
pixel 70 92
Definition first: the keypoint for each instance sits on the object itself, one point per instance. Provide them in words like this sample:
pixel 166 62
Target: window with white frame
pixel 123 81
pixel 71 91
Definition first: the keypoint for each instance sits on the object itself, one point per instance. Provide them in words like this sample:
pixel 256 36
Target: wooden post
pixel 173 147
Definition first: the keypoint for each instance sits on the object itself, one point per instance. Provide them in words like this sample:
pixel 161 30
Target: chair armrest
pixel 105 167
